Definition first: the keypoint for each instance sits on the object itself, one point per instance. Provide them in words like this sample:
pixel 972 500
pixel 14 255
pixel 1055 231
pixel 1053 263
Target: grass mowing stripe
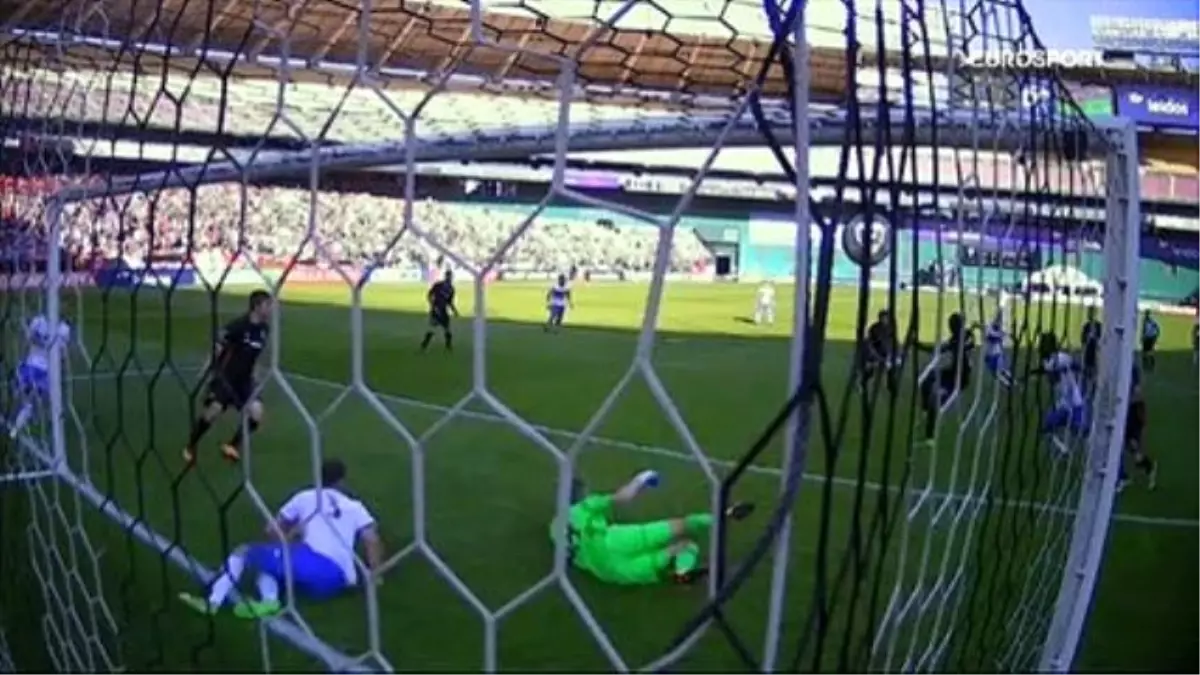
pixel 1152 521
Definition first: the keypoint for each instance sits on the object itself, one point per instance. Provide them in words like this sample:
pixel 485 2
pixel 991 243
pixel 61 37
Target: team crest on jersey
pixel 867 242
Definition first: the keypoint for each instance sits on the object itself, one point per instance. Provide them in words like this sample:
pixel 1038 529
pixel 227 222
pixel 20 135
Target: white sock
pixel 225 583
pixel 268 588
pixel 22 419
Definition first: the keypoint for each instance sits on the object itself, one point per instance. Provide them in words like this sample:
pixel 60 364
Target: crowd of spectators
pixel 272 223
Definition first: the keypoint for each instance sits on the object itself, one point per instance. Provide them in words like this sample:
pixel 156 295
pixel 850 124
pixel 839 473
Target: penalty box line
pixel 658 451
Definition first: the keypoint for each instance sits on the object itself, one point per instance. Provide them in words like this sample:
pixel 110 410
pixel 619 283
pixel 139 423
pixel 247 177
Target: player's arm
pixel 372 545
pixel 220 345
pixel 450 303
pixel 286 524
pixel 570 299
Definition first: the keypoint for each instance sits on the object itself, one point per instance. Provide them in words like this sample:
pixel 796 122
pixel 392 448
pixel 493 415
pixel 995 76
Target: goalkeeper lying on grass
pixel 635 553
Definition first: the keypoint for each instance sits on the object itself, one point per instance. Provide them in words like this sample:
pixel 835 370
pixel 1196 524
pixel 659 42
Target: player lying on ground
pixel 231 379
pixel 635 554
pixel 558 299
pixel 764 306
pixel 880 353
pixel 441 304
pixel 948 373
pixel 328 523
pixel 32 377
pixel 1135 427
pixel 1068 415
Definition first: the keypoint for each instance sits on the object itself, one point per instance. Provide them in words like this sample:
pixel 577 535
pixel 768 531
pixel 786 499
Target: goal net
pixel 893 371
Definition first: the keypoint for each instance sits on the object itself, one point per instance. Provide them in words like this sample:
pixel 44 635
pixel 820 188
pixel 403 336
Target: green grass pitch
pixel 489 489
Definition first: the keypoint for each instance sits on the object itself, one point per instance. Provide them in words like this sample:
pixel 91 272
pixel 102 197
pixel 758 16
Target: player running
pixel 328 524
pixel 441 305
pixel 1069 413
pixel 230 374
pixel 880 352
pixel 1150 333
pixel 32 378
pixel 764 308
pixel 558 299
pixel 949 373
pixel 635 554
pixel 1135 427
pixel 1089 337
pixel 995 357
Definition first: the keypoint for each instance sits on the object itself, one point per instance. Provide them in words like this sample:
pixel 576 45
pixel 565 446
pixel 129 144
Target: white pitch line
pixel 1153 521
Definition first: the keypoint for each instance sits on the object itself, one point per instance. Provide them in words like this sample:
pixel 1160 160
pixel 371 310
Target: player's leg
pixel 1054 422
pixel 930 404
pixel 1135 426
pixel 254 416
pixel 215 403
pixel 32 385
pixel 679 561
pixel 447 334
pixel 313 575
pixel 266 558
pixel 430 330
pixel 1148 354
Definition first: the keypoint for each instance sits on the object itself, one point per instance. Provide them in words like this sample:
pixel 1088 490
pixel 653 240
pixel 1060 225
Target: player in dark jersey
pixel 1150 332
pixel 441 305
pixel 231 376
pixel 879 351
pixel 1089 338
pixel 950 371
pixel 1135 428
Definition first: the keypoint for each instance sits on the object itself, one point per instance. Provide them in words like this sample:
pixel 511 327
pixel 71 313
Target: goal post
pixel 1122 243
pixel 903 486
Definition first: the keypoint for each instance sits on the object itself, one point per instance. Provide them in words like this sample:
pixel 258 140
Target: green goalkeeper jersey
pixel 587 522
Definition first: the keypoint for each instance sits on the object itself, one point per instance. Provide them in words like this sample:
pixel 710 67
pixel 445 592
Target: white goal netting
pixel 917 241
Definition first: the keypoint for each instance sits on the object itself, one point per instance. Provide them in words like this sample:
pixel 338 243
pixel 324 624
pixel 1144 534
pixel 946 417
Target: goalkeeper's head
pixel 955 323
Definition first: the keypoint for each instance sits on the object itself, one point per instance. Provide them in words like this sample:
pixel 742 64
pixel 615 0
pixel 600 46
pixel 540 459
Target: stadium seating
pixel 352 228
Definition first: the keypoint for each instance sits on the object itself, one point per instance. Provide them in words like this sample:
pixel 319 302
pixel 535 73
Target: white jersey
pixel 42 340
pixel 559 295
pixel 330 522
pixel 766 295
pixel 993 339
pixel 1067 393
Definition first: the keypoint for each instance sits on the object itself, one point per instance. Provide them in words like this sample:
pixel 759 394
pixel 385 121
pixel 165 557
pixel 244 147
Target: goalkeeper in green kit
pixel 635 554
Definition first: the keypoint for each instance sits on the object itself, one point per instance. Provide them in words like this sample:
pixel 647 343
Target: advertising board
pixel 1159 106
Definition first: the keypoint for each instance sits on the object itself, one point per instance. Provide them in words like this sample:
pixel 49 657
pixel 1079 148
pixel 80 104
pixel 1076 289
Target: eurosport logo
pixel 1034 59
pixel 1159 106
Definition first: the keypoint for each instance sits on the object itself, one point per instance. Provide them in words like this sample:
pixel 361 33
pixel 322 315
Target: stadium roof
pixel 688 46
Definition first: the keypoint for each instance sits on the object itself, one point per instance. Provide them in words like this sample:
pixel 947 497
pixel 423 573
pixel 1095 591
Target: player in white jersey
pixel 764 308
pixel 33 373
pixel 313 540
pixel 995 357
pixel 558 299
pixel 1070 413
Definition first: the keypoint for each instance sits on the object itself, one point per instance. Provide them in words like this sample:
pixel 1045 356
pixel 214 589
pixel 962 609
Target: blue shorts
pixel 994 363
pixel 313 574
pixel 556 313
pixel 33 379
pixel 1071 418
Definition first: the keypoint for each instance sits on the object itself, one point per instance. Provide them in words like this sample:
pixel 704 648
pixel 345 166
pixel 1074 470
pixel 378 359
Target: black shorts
pixel 1148 344
pixel 229 393
pixel 1135 421
pixel 439 319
